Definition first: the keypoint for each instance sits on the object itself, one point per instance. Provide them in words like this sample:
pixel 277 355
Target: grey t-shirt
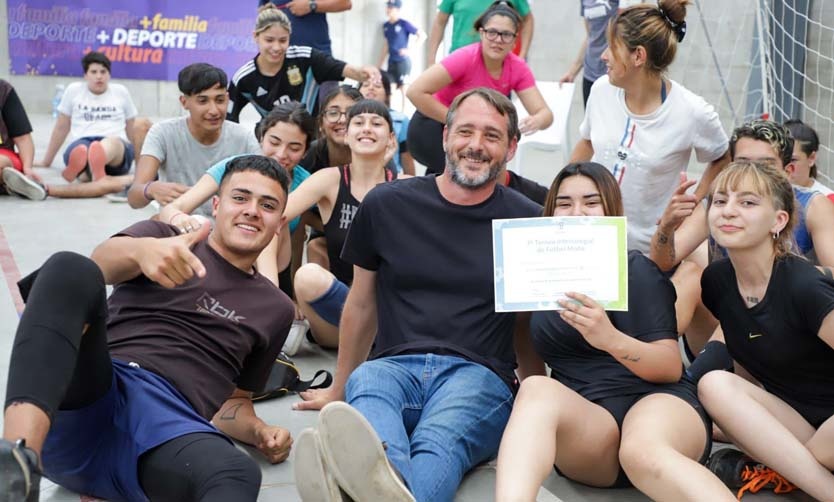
pixel 597 13
pixel 182 159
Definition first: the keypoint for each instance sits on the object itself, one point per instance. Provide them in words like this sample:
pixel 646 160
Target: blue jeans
pixel 439 416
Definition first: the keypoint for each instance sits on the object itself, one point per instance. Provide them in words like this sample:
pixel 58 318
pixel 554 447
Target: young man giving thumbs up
pixel 135 396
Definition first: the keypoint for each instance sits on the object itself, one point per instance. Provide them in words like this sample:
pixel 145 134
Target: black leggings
pixel 54 366
pixel 285 281
pixel 425 143
pixel 199 467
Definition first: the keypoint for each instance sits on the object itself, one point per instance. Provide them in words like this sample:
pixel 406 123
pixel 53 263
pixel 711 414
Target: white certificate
pixel 538 260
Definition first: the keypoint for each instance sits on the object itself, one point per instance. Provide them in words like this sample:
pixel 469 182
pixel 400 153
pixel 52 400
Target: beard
pixel 473 182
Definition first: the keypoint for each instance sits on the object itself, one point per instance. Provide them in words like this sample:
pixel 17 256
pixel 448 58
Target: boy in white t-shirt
pixel 99 116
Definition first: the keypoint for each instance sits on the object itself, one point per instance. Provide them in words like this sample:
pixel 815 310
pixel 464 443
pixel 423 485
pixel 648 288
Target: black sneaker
pixel 742 473
pixel 17 183
pixel 20 477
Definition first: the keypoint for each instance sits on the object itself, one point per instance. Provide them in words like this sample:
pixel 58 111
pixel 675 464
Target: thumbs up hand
pixel 169 261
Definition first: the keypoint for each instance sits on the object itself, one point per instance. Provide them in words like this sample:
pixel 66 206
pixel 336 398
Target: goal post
pixel 773 58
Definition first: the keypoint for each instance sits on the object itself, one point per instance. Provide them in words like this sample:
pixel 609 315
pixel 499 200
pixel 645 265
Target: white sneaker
pixel 354 454
pixel 16 182
pixel 298 331
pixel 120 196
pixel 312 479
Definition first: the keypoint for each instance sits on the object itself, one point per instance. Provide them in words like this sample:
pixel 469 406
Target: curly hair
pixel 768 131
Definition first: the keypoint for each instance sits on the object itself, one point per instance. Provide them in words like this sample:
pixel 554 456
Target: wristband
pixel 145 190
pixel 171 221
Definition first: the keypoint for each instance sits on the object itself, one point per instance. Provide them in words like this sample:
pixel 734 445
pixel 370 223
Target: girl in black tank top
pixel 337 192
pixel 336 228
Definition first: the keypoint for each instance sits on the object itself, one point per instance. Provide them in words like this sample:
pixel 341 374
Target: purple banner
pixel 145 39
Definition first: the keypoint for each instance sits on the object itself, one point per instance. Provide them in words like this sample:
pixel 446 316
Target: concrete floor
pixel 31 231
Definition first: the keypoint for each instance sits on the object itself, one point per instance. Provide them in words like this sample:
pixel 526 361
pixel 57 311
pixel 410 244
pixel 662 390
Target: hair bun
pixel 674 13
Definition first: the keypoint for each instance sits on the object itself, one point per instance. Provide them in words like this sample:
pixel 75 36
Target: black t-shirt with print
pixel 205 337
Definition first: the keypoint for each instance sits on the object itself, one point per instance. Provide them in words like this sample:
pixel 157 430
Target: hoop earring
pixel 775 235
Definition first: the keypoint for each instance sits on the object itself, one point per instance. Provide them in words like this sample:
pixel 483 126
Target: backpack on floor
pixel 285 378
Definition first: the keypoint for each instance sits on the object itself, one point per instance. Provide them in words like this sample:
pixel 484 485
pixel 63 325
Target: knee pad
pixel 715 356
pixel 65 271
pixel 329 305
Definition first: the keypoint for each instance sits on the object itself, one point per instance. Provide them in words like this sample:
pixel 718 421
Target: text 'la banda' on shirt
pixel 297 80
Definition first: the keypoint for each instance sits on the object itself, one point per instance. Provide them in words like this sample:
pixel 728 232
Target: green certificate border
pixel 498 227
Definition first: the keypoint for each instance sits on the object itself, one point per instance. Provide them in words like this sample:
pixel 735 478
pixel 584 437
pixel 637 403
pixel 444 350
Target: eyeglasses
pixel 333 115
pixel 493 35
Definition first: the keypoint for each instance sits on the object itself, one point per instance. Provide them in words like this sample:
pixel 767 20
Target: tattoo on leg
pixel 631 358
pixel 230 413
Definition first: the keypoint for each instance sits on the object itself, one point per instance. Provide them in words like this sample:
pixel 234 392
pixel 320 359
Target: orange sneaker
pixel 76 163
pixel 98 158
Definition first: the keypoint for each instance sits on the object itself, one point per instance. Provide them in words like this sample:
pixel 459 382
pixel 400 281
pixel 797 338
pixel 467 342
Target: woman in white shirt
pixel 643 126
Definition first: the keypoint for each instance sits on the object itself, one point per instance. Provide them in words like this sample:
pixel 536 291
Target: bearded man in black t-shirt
pixel 440 381
pixel 138 393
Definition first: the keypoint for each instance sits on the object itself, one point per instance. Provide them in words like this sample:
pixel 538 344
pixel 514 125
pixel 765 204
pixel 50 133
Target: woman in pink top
pixel 489 63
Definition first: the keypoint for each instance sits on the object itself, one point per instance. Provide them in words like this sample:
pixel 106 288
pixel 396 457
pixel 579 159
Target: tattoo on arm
pixel 667 241
pixel 631 358
pixel 230 413
pixel 670 246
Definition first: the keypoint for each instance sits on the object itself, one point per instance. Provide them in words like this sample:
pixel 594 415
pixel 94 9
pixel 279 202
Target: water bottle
pixel 56 99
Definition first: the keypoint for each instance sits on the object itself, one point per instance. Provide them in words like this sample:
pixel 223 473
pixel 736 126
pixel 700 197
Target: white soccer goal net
pixel 764 57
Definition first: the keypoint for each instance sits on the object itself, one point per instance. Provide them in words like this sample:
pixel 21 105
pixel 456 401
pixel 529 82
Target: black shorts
pixel 815 415
pixel 618 407
pixel 399 70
